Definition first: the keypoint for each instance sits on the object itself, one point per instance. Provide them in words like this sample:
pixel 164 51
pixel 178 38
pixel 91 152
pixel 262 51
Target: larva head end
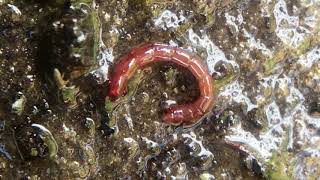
pixel 113 94
pixel 168 117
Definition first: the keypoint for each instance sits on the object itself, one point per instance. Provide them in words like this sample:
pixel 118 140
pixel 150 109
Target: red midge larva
pixel 149 54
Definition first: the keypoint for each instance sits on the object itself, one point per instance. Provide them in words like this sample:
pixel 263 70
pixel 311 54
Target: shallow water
pixel 56 64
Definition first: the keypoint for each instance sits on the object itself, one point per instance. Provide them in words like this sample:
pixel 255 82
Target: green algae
pixel 220 83
pixel 91 25
pixel 278 167
pixel 132 88
pixel 68 93
pixel 287 51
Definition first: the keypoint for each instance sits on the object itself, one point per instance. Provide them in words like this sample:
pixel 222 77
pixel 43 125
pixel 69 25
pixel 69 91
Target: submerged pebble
pixel 36 141
pixel 19 105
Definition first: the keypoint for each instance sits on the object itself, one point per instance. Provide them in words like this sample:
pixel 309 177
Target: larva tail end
pixel 168 117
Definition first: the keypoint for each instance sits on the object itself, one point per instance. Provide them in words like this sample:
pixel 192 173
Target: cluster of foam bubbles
pixel 310 58
pixel 214 53
pixel 168 19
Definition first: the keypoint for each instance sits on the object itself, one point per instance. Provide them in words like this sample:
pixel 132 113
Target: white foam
pixel 311 57
pixel 168 19
pixel 214 54
pixel 288 28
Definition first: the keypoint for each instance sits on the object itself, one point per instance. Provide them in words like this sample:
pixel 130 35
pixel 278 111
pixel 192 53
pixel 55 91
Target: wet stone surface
pixel 56 58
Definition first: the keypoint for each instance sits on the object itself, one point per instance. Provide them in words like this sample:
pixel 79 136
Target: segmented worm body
pixel 149 54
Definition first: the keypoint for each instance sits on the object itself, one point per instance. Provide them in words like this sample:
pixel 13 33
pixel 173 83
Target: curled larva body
pixel 149 54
